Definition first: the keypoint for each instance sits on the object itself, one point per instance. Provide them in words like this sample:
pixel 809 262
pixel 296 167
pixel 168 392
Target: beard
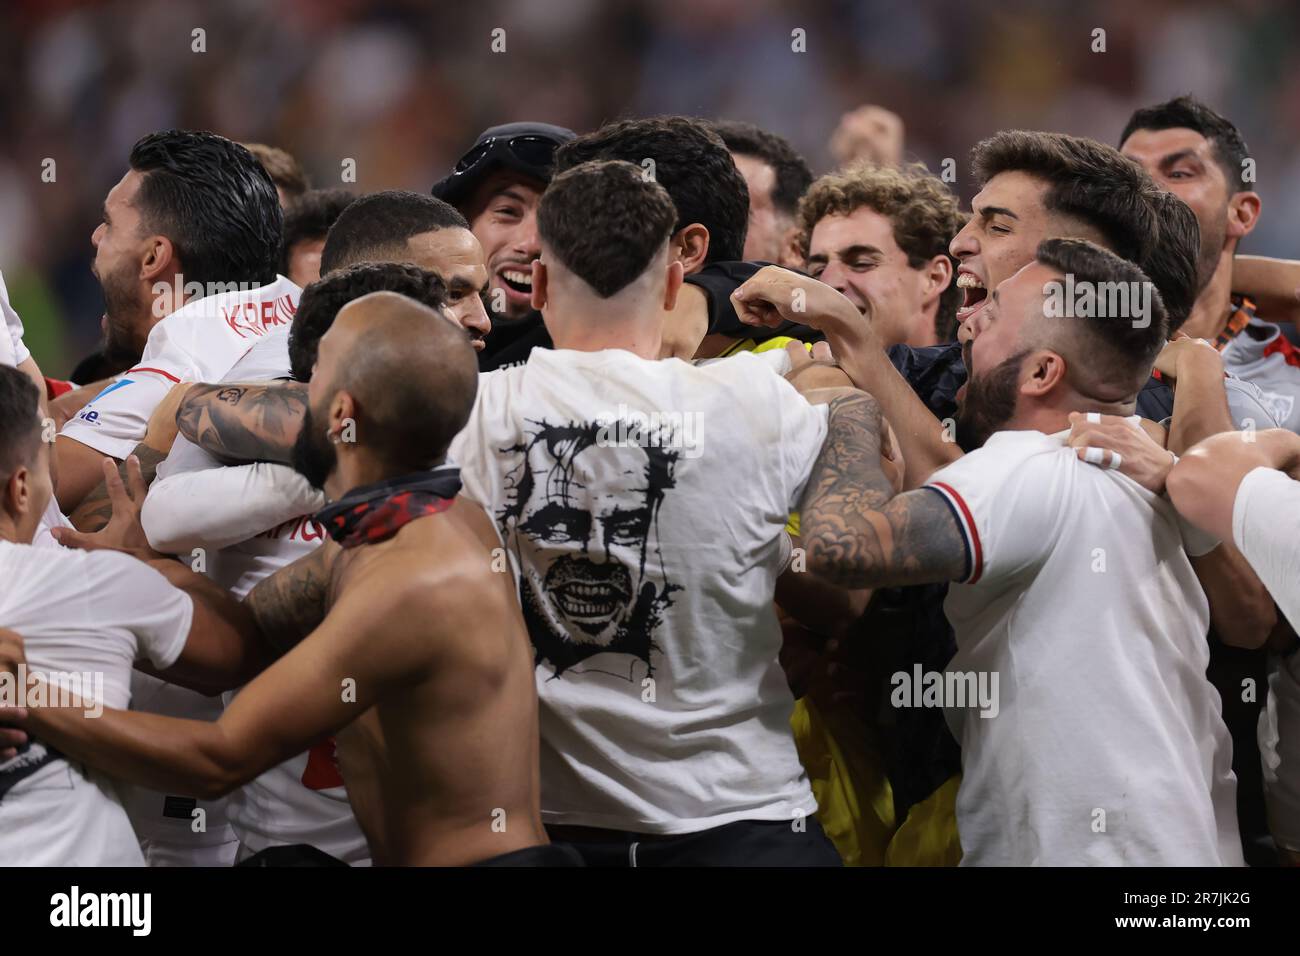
pixel 989 404
pixel 1213 235
pixel 313 454
pixel 122 309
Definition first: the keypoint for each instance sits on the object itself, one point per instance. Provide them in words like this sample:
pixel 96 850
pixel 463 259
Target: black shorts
pixel 547 854
pixel 744 843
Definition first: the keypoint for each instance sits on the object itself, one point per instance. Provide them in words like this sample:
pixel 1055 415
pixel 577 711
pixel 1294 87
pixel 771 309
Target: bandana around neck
pixel 373 513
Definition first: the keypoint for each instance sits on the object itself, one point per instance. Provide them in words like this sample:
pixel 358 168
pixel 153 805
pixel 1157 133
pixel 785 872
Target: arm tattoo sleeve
pixel 96 510
pixel 857 533
pixel 290 604
pixel 242 423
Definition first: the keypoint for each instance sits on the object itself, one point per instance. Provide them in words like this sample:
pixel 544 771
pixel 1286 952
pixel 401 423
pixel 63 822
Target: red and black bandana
pixel 373 513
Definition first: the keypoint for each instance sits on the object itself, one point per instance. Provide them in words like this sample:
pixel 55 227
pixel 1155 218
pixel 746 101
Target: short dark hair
pixel 605 221
pixel 1173 258
pixel 20 420
pixel 793 177
pixel 1187 112
pixel 1106 191
pixel 690 161
pixel 311 216
pixel 378 226
pixel 322 300
pixel 285 170
pixel 1086 180
pixel 214 201
pixel 1126 348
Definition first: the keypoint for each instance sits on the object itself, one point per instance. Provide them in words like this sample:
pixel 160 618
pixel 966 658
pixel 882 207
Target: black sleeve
pixel 935 373
pixel 717 281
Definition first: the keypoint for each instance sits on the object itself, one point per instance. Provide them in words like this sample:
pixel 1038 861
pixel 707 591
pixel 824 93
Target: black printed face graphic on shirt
pixel 582 520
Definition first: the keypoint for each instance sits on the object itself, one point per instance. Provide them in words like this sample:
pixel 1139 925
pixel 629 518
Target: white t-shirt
pixel 250 521
pixel 1266 530
pixel 12 349
pixel 200 342
pixel 80 612
pixel 1106 746
pixel 647 578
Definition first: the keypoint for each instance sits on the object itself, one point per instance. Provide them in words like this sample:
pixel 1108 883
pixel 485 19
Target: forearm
pixel 224 649
pixel 1274 285
pixel 96 509
pixel 927 445
pixel 242 423
pixel 1241 609
pixel 846 490
pixel 1200 402
pixel 189 757
pixel 817 604
pixel 1203 485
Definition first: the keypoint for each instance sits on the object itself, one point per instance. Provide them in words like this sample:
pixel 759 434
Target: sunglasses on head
pixel 528 148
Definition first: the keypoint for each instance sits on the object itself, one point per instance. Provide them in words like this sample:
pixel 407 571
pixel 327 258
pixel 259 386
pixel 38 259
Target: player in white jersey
pixel 1089 733
pixel 1250 490
pixel 88 617
pixel 186 256
pixel 250 520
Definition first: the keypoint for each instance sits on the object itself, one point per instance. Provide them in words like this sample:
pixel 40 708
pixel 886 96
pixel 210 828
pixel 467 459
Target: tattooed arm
pixel 857 532
pixel 96 509
pixel 290 604
pixel 241 423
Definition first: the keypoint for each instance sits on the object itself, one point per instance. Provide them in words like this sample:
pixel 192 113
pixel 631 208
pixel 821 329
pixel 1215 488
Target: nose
pixel 97 235
pixel 965 244
pixel 526 241
pixel 835 276
pixel 474 316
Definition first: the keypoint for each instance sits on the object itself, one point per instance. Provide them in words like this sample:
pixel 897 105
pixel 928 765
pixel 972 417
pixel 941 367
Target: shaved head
pixel 410 374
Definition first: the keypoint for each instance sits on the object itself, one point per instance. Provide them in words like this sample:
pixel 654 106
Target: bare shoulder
pixel 445 564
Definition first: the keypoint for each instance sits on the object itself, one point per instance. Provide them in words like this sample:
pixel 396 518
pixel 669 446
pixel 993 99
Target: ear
pixel 938 274
pixel 690 246
pixel 1243 213
pixel 792 256
pixel 1041 372
pixel 342 417
pixel 159 259
pixel 674 285
pixel 18 493
pixel 539 285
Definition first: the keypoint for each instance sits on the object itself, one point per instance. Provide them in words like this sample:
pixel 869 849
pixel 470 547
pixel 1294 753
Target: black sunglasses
pixel 528 148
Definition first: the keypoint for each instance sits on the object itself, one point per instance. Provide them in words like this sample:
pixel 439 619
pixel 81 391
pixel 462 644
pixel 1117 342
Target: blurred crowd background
pixel 403 86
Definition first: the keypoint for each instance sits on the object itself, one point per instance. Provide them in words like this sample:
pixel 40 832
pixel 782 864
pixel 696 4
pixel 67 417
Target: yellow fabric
pixel 749 345
pixel 856 803
pixel 928 837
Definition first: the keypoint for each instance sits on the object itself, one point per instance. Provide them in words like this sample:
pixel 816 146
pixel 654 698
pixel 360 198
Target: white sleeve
pixel 1007 508
pixel 1266 530
pixel 139 599
pixel 115 420
pixel 12 350
pixel 199 503
pixel 474 450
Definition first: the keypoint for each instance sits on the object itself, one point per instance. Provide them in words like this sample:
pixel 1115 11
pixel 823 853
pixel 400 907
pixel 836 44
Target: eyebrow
pixel 847 252
pixel 1167 161
pixel 509 192
pixel 988 212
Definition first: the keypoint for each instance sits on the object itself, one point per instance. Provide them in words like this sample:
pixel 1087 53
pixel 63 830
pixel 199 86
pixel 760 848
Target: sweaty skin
pixel 436 733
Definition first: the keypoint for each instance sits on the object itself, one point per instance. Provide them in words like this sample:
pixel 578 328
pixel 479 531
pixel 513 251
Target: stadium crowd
pixel 637 499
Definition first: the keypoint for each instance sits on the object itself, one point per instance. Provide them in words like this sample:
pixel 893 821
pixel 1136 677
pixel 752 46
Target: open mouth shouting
pixel 974 294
